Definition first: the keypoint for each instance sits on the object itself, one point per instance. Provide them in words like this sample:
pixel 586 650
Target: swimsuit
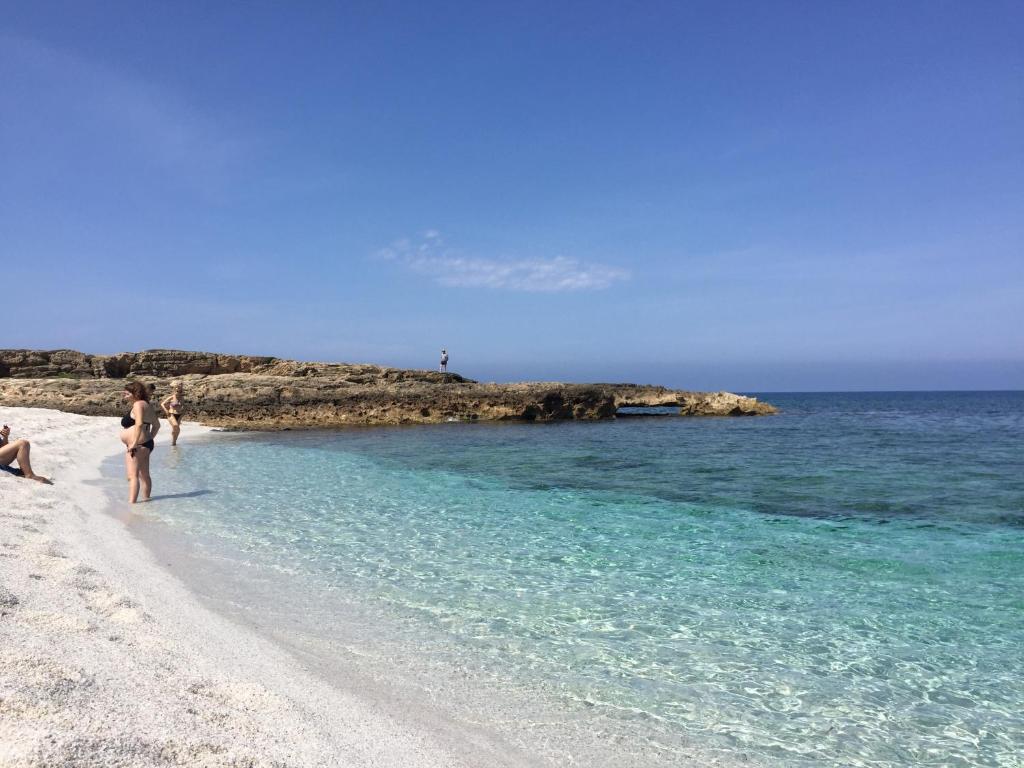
pixel 127 422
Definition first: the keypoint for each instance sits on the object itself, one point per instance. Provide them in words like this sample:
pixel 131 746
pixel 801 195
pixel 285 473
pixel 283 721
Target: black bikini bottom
pixel 148 444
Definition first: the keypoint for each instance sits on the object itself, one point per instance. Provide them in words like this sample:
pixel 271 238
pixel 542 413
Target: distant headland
pixel 249 392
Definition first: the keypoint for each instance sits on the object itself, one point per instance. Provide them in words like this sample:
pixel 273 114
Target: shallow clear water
pixel 839 584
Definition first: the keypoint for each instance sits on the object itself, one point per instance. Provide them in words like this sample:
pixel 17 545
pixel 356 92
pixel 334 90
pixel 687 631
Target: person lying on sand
pixel 17 450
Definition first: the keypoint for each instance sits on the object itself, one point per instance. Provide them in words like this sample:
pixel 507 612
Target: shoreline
pixel 117 652
pixel 114 653
pixel 109 659
pixel 358 645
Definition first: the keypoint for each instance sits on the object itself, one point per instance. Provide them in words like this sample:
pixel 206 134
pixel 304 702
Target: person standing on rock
pixel 174 407
pixel 444 361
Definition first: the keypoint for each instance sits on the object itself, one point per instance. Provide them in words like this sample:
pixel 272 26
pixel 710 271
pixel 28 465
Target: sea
pixel 839 584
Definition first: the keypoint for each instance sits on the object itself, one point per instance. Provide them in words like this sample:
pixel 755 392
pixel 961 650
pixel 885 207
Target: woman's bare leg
pixel 19 451
pixel 133 476
pixel 175 429
pixel 126 438
pixel 10 451
pixel 142 462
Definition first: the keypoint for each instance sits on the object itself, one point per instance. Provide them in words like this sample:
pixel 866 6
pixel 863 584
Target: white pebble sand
pixel 107 660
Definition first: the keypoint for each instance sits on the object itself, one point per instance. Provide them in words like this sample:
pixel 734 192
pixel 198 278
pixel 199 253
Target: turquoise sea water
pixel 841 584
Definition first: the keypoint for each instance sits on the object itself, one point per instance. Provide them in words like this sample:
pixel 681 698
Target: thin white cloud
pixel 431 258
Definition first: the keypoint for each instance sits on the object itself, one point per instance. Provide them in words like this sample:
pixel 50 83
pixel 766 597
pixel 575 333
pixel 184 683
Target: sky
pixel 751 196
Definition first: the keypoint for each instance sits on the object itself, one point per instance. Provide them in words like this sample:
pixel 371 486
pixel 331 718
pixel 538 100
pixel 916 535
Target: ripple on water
pixel 840 584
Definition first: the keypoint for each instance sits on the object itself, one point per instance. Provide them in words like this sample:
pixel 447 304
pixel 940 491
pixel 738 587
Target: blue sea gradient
pixel 840 584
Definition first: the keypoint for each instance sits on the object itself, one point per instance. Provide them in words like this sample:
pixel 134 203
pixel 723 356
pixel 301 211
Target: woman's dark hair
pixel 138 390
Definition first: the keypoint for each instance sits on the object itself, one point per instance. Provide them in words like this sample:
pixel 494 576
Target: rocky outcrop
pixel 175 363
pixel 67 363
pixel 270 393
pixel 690 403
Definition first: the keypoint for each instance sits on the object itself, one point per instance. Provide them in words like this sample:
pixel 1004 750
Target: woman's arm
pixel 165 401
pixel 138 411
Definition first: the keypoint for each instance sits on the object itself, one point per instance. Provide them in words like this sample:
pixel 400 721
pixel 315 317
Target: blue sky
pixel 747 196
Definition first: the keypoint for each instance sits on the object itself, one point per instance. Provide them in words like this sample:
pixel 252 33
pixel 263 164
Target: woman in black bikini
pixel 140 427
pixel 174 407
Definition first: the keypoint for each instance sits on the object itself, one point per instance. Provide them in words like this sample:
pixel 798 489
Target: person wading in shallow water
pixel 17 450
pixel 174 407
pixel 140 427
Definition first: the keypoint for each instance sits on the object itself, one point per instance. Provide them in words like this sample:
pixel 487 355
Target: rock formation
pixel 269 393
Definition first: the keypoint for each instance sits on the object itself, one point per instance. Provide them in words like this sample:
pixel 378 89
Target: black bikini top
pixel 128 421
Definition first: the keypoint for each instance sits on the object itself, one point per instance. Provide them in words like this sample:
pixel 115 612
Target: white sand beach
pixel 107 660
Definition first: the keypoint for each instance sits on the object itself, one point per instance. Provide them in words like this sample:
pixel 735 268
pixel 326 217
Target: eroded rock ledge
pixel 250 392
